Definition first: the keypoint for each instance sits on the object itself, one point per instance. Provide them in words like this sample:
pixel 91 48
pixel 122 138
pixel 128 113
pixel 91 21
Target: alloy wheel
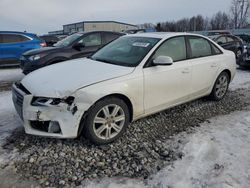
pixel 109 121
pixel 221 86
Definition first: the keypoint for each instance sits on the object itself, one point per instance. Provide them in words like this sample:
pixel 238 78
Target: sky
pixel 41 16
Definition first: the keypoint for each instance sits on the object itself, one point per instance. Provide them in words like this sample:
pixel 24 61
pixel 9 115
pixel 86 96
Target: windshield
pixel 126 51
pixel 68 40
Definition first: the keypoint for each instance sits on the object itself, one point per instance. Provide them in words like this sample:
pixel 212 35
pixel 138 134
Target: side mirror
pixel 220 43
pixel 163 60
pixel 79 46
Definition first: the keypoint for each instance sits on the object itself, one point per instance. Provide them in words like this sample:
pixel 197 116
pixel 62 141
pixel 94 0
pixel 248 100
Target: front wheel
pixel 106 120
pixel 220 87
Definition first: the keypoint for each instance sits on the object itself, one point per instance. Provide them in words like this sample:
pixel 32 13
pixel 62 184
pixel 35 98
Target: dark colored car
pixel 133 31
pixel 50 39
pixel 230 42
pixel 218 32
pixel 13 44
pixel 74 46
pixel 244 37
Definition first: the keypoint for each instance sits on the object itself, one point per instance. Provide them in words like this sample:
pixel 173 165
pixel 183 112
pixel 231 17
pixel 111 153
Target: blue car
pixel 14 44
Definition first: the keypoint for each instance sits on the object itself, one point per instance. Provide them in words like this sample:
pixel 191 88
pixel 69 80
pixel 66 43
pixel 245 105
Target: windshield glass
pixel 126 51
pixel 68 40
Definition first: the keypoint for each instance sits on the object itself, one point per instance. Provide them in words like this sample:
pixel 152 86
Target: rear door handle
pixel 213 65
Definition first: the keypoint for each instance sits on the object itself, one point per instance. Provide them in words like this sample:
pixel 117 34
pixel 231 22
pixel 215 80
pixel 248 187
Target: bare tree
pixel 182 25
pixel 240 13
pixel 220 21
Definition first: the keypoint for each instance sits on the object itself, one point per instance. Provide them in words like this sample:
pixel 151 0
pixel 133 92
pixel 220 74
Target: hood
pixel 41 50
pixel 62 79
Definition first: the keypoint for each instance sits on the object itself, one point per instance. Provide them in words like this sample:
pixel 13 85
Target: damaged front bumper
pixel 61 120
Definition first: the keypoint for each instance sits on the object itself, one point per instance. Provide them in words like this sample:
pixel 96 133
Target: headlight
pixel 35 57
pixel 43 101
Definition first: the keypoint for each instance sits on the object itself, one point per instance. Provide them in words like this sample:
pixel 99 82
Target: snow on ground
pixel 9 121
pixel 10 75
pixel 241 80
pixel 215 156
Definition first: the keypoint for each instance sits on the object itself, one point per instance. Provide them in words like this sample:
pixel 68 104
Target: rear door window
pixel 13 38
pixel 230 39
pixel 221 40
pixel 200 47
pixel 108 37
pixel 92 40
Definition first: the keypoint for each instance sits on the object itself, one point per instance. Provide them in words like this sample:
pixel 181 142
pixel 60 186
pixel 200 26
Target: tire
pixel 106 121
pixel 220 87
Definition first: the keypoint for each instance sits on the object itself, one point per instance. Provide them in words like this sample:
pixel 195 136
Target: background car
pixel 50 39
pixel 74 46
pixel 14 44
pixel 244 37
pixel 217 32
pixel 230 42
pixel 130 78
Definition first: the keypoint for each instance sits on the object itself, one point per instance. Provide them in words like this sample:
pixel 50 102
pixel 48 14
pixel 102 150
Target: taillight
pixel 43 44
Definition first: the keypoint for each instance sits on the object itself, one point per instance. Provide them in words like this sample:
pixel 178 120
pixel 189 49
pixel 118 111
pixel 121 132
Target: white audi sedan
pixel 130 78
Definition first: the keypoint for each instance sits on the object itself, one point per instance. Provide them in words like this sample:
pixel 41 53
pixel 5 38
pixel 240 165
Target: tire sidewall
pixel 88 124
pixel 213 94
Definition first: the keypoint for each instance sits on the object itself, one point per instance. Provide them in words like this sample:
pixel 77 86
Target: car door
pixel 90 43
pixel 204 58
pixel 165 86
pixel 13 45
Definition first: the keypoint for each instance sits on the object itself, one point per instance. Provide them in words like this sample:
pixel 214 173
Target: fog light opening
pixel 54 127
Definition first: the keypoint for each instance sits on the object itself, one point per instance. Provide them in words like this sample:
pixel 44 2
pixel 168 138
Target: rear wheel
pixel 220 87
pixel 106 120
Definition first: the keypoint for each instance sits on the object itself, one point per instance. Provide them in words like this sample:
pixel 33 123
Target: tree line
pixel 236 18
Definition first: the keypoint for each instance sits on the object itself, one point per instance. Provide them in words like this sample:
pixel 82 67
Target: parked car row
pixel 74 46
pixel 239 44
pixel 127 79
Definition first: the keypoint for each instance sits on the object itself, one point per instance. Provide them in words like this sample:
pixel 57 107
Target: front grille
pixel 19 98
pixel 18 92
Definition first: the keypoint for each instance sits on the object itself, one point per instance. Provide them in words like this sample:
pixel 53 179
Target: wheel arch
pixel 228 72
pixel 117 95
pixel 125 99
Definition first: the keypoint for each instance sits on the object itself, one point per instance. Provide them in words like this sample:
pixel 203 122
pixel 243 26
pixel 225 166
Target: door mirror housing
pixel 79 46
pixel 163 60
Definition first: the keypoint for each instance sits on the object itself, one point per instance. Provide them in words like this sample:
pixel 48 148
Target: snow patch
pixel 10 75
pixel 241 80
pixel 9 121
pixel 215 156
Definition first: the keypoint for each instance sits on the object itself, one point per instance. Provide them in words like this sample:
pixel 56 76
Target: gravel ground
pixel 142 151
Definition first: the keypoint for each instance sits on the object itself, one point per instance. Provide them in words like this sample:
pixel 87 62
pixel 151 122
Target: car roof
pixel 17 32
pixel 163 35
pixel 88 32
